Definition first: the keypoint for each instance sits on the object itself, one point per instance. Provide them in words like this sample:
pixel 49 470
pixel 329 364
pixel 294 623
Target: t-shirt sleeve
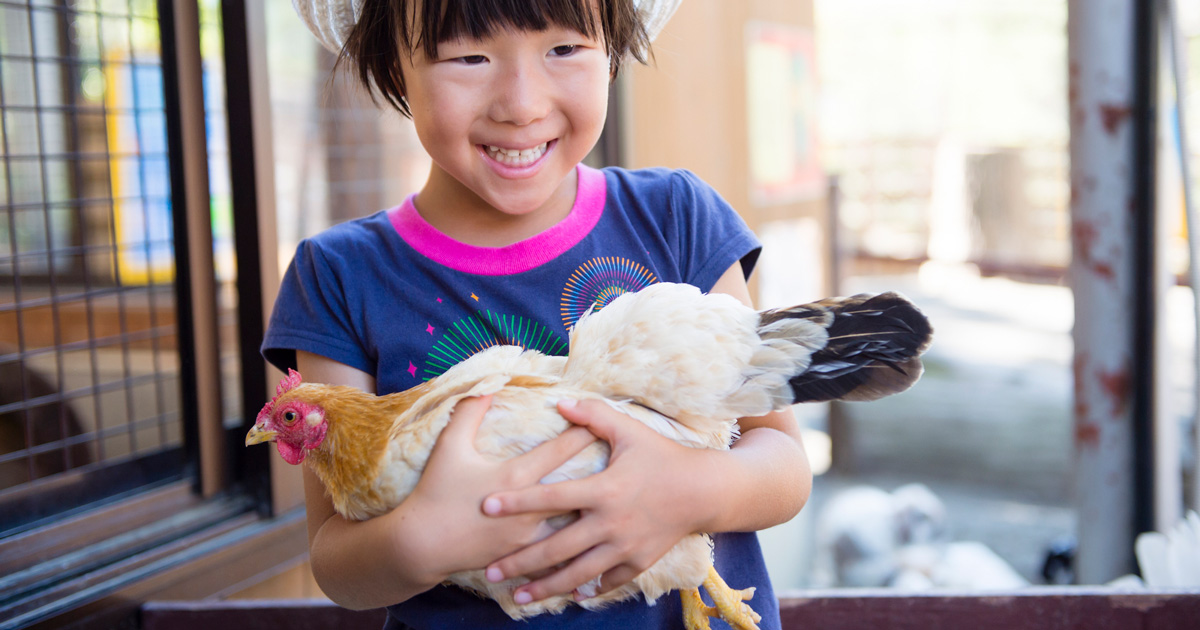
pixel 711 236
pixel 312 313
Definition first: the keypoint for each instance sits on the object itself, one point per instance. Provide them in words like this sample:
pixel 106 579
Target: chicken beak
pixel 258 436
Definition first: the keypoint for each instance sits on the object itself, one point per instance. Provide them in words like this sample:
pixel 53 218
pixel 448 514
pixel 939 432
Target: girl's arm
pixel 655 492
pixel 438 529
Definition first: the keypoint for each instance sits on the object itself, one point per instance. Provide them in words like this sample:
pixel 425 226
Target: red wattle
pixel 290 454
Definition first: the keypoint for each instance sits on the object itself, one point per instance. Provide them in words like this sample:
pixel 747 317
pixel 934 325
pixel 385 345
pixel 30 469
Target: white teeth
pixel 517 157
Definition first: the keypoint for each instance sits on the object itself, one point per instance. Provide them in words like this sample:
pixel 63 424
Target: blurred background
pixel 161 160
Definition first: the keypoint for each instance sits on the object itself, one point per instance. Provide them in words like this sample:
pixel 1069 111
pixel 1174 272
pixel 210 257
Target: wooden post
pixel 197 312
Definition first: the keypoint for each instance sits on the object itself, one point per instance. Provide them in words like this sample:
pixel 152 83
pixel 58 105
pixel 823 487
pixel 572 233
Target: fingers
pixel 465 420
pixel 580 571
pixel 544 458
pixel 531 468
pixel 602 420
pixel 617 577
pixel 557 549
pixel 548 498
pixel 602 560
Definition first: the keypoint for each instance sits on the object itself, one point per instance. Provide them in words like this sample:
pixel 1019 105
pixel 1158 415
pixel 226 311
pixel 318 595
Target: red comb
pixel 293 379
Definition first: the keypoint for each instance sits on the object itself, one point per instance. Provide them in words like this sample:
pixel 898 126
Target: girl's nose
pixel 522 96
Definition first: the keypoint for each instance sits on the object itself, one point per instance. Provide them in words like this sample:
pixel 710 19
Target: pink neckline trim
pixel 590 197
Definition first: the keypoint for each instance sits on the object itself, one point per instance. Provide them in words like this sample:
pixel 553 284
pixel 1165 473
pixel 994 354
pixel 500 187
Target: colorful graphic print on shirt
pixel 592 285
pixel 597 282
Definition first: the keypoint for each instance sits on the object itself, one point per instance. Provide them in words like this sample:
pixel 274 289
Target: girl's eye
pixel 289 417
pixel 472 60
pixel 565 50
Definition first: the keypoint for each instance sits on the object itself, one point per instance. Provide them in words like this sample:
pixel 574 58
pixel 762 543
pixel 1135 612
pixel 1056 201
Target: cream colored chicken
pixel 684 363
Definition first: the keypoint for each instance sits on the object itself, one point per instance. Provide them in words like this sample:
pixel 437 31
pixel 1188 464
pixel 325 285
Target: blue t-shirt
pixel 392 296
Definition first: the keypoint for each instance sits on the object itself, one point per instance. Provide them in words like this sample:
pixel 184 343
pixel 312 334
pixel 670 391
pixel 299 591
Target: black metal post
pixel 1145 149
pixel 253 464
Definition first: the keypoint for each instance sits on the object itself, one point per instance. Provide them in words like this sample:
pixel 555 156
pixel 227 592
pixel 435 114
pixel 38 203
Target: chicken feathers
pixel 684 363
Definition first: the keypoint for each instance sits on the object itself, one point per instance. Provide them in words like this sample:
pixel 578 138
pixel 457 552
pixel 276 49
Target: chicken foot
pixel 730 605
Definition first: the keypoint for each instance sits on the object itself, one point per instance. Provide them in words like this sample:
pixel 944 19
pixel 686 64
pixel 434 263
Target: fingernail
pixel 494 575
pixel 491 506
pixel 568 403
pixel 578 596
pixel 522 597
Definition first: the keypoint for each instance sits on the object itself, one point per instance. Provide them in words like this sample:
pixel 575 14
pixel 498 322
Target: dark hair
pixel 386 28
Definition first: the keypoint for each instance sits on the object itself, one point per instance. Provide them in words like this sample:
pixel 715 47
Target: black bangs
pixel 444 20
pixel 388 29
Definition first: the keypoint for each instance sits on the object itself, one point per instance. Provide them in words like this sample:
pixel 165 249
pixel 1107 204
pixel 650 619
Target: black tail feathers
pixel 874 347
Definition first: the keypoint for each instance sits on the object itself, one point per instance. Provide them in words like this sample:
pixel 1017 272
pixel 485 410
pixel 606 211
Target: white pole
pixel 1172 193
pixel 1100 54
pixel 1179 71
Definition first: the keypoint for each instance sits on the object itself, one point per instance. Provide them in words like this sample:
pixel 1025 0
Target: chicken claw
pixel 695 611
pixel 730 605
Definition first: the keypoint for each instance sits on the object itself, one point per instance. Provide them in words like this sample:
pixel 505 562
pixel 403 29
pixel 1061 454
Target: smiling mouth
pixel 516 157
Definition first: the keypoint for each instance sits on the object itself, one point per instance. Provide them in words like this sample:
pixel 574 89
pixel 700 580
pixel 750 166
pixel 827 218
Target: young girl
pixel 509 240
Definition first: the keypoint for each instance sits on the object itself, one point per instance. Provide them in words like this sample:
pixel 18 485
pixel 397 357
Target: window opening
pixel 89 364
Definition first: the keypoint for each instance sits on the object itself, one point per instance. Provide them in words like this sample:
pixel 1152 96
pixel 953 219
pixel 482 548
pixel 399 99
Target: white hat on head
pixel 655 14
pixel 331 20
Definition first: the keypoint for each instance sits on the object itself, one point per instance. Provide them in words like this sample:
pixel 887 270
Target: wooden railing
pixel 1048 608
pixel 1065 608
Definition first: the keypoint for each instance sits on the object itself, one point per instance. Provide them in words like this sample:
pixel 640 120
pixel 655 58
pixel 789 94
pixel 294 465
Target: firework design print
pixel 597 282
pixel 483 330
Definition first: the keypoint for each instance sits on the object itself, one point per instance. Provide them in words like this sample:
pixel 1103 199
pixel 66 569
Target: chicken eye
pixel 289 417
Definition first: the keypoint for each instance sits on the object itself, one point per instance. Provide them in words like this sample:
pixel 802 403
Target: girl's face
pixel 507 118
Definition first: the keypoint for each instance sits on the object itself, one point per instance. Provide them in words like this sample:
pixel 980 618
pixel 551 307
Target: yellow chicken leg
pixel 695 611
pixel 730 605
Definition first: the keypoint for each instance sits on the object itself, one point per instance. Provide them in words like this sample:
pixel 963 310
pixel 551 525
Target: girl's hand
pixel 454 534
pixel 653 493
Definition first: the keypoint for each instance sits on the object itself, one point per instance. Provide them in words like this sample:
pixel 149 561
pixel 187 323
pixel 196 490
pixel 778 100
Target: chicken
pixel 867 537
pixel 1171 559
pixel 684 363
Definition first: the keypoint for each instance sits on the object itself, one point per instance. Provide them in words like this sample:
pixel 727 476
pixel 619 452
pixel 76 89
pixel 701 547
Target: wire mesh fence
pixel 88 339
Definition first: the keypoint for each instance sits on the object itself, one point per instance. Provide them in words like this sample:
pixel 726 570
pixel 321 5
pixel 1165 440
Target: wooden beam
pixel 1032 609
pixel 257 614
